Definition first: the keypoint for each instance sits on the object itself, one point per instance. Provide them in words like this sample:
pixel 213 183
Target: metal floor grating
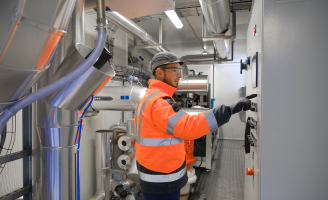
pixel 226 179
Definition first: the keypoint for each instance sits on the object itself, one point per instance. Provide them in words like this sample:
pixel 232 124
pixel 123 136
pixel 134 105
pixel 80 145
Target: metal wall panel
pixel 252 160
pixel 292 132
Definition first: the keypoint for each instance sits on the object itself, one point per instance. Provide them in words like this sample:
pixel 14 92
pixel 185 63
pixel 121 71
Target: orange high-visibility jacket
pixel 160 127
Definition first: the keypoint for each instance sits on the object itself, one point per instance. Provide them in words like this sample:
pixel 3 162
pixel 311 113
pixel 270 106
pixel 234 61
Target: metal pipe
pixel 217 14
pixel 219 37
pixel 223 36
pixel 195 84
pixel 160 38
pixel 126 142
pixel 101 12
pixel 103 162
pixel 206 59
pixel 133 171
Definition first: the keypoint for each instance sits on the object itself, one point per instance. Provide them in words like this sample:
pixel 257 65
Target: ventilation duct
pixel 46 23
pixel 217 17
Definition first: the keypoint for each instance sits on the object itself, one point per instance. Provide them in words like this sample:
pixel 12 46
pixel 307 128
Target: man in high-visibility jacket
pixel 161 126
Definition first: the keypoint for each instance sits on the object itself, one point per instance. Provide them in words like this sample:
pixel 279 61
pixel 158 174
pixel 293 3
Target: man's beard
pixel 167 82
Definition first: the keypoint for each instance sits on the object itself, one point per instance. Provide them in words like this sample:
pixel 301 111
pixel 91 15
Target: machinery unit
pixel 193 96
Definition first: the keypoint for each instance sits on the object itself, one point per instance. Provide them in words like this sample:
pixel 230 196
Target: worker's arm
pixel 168 117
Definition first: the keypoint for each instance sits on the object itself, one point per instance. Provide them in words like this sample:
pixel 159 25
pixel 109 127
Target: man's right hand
pixel 243 103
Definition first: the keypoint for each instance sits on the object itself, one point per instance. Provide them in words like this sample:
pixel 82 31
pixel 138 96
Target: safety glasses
pixel 175 70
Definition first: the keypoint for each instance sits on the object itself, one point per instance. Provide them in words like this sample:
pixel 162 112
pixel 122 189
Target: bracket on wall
pixel 160 38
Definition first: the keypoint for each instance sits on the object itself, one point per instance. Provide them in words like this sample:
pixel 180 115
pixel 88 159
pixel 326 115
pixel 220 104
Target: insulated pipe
pixel 125 161
pixel 126 142
pixel 14 108
pixel 25 25
pixel 133 171
pixel 195 84
pixel 217 14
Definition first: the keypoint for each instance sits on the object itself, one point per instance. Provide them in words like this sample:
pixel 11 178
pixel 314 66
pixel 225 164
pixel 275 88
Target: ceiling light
pixel 174 18
pixel 204 53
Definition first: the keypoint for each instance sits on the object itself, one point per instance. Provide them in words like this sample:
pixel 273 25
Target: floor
pixel 226 179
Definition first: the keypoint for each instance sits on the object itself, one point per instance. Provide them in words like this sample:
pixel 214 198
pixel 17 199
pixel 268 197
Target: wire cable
pixel 77 155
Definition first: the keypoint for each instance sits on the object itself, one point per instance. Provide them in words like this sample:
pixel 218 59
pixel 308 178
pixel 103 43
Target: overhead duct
pixel 217 16
pixel 205 59
pixel 46 23
pixel 199 59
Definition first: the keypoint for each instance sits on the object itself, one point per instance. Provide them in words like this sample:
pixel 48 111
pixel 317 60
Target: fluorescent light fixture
pixel 174 18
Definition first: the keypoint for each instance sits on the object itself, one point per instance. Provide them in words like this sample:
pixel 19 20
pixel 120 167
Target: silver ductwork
pixel 217 15
pixel 200 59
pixel 194 84
pixel 73 96
pixel 57 119
pixel 46 23
pixel 118 98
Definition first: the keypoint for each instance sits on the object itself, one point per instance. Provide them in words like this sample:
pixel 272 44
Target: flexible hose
pixel 60 83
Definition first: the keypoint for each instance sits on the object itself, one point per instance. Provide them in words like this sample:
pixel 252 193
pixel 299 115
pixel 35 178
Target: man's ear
pixel 159 72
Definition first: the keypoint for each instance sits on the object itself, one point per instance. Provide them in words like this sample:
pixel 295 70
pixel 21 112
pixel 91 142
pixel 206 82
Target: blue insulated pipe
pixel 60 83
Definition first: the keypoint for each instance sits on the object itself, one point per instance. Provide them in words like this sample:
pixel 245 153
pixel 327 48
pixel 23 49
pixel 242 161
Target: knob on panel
pixel 249 172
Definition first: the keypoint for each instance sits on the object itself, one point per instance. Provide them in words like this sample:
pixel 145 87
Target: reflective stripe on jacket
pixel 161 127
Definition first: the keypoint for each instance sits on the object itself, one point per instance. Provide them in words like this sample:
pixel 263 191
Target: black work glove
pixel 243 103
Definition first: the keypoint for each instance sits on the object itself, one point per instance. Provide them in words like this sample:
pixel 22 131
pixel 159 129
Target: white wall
pixel 227 81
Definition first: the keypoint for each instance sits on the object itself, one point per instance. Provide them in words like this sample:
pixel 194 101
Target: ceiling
pixel 188 39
